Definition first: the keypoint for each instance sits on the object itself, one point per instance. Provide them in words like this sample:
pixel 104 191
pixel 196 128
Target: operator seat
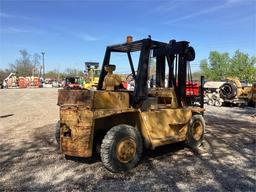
pixel 111 81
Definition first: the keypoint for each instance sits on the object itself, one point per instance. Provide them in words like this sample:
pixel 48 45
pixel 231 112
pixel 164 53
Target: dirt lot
pixel 30 160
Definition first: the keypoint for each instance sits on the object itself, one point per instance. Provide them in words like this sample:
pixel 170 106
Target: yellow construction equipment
pixel 119 123
pixel 92 69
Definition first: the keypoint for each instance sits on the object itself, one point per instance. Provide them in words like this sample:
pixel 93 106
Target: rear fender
pixel 76 131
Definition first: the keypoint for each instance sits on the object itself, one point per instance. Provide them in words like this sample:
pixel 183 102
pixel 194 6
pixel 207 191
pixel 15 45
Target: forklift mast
pixel 177 55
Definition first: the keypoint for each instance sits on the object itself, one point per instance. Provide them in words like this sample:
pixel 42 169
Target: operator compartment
pixel 78 108
pixel 160 98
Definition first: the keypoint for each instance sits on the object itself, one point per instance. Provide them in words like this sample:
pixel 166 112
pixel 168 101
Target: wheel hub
pixel 197 130
pixel 126 150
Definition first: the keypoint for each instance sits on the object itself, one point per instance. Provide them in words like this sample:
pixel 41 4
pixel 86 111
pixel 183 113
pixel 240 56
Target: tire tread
pixel 108 141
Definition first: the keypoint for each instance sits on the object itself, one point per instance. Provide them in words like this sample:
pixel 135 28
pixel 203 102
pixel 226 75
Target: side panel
pixel 75 97
pixel 166 125
pixel 76 131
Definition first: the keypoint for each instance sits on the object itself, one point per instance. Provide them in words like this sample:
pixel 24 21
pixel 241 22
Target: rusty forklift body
pixel 159 115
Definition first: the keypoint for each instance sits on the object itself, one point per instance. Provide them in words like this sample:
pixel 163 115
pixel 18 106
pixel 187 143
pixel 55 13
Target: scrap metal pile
pixel 231 92
pixel 12 81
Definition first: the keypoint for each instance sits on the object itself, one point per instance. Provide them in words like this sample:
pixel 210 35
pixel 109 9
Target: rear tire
pixel 195 132
pixel 121 148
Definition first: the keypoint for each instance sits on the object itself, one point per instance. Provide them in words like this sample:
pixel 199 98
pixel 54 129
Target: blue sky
pixel 72 32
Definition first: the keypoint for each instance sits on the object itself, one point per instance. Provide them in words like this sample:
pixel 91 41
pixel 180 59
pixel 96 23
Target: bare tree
pixel 36 64
pixel 73 72
pixel 24 65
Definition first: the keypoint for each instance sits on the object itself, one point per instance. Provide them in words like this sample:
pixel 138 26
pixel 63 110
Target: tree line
pixel 218 66
pixel 31 65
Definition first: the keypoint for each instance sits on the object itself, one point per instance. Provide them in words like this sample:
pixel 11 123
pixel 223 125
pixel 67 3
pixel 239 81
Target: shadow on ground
pixel 4 116
pixel 225 162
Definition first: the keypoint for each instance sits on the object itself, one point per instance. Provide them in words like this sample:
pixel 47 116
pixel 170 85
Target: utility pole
pixel 43 66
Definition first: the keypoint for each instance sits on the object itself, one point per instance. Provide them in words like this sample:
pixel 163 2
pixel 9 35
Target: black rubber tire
pixel 218 103
pixel 109 144
pixel 211 102
pixel 190 141
pixel 57 133
pixel 228 91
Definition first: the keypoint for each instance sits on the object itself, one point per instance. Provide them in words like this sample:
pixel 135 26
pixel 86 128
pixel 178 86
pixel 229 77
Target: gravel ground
pixel 30 159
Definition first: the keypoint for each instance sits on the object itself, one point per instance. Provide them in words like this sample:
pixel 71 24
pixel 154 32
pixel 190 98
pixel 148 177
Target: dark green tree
pixel 243 66
pixel 220 66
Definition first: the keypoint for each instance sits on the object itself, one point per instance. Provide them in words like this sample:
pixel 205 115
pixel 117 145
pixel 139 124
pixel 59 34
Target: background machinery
pixel 72 83
pixel 10 81
pixel 92 75
pixel 13 81
pixel 230 91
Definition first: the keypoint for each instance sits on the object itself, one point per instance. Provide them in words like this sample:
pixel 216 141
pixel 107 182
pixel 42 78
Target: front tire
pixel 121 148
pixel 195 132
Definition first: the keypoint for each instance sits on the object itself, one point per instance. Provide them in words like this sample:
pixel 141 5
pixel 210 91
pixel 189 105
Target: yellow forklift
pixel 119 123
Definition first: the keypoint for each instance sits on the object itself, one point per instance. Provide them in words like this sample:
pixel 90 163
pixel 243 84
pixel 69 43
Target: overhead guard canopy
pixel 134 46
pixel 176 53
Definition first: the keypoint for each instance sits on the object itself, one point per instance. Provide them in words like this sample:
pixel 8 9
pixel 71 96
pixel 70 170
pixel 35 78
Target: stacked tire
pixel 228 91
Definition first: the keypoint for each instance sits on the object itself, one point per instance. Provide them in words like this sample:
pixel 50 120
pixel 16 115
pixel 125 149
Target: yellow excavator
pixel 92 75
